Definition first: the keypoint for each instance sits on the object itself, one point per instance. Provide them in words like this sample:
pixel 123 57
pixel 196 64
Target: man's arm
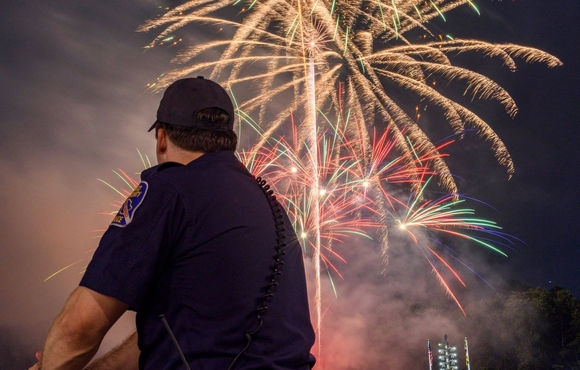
pixel 123 357
pixel 78 330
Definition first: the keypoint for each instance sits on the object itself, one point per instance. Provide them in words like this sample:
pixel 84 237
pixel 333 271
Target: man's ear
pixel 162 138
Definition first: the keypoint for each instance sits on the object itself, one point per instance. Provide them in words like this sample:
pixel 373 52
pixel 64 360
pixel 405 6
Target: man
pixel 201 251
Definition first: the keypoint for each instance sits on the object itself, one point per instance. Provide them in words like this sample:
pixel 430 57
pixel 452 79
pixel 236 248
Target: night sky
pixel 74 106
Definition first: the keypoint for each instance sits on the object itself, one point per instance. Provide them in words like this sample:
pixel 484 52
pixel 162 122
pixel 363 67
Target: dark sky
pixel 74 107
pixel 540 203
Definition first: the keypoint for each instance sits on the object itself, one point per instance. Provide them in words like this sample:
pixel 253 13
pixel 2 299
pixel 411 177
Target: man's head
pixel 197 115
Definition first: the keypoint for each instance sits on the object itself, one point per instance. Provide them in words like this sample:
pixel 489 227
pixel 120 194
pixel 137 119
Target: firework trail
pixel 275 41
pixel 315 190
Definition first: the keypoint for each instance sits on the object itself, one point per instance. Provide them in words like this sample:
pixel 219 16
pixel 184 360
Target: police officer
pixel 201 251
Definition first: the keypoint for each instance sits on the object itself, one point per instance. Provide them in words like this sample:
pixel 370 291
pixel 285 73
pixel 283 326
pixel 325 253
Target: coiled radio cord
pixel 278 261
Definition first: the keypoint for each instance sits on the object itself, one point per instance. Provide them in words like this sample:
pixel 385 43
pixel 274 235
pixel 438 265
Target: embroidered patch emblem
pixel 125 214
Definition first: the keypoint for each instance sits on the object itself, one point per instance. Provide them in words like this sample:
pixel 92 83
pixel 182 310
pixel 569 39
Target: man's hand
pixel 36 366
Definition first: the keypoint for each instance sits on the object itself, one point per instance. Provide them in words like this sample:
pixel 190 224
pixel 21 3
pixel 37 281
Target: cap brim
pixel 152 127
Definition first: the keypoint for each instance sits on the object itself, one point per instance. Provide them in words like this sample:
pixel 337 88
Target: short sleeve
pixel 132 253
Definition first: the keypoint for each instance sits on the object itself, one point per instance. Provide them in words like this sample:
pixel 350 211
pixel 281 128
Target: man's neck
pixel 178 155
pixel 183 156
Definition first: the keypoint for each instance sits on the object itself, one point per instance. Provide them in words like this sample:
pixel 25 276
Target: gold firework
pixel 338 38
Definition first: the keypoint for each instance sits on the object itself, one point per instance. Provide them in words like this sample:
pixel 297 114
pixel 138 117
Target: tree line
pixel 525 329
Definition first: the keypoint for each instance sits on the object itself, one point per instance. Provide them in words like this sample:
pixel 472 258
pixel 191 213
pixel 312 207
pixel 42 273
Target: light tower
pixel 447 356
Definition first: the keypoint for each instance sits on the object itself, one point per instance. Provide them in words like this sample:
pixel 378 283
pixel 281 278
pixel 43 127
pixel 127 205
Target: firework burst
pixel 370 46
pixel 359 198
pixel 425 222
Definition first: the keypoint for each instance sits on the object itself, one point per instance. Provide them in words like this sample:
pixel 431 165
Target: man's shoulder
pixel 152 171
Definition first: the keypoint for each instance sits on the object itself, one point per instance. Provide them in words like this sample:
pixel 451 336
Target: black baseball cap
pixel 184 98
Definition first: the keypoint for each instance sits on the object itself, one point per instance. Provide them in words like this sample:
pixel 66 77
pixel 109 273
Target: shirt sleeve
pixel 132 254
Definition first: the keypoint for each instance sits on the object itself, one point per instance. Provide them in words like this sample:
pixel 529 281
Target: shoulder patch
pixel 125 214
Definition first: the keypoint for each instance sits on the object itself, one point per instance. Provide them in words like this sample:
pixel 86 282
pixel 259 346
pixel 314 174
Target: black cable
pixel 174 340
pixel 278 261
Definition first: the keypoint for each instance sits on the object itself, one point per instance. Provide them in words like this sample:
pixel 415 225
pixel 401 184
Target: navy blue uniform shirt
pixel 197 243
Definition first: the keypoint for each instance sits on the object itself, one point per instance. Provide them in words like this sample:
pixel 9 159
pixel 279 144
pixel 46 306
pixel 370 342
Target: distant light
pixel 303 235
pixel 322 191
pixel 294 169
pixel 366 184
pixel 402 226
